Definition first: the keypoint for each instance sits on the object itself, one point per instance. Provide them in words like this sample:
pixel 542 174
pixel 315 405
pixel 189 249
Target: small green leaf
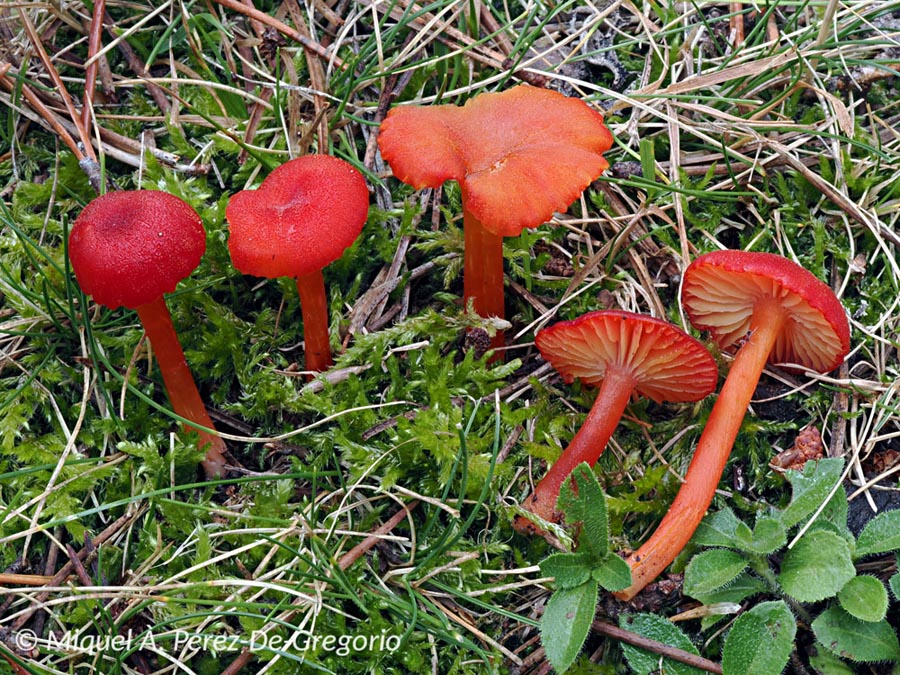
pixel 850 638
pixel 760 641
pixel 880 535
pixel 581 499
pixel 657 628
pixel 767 537
pixel 827 663
pixel 566 622
pixel 612 573
pixel 743 586
pixel 817 567
pixel 711 570
pixel 722 528
pixel 567 569
pixel 894 582
pixel 835 512
pixel 811 488
pixel 865 598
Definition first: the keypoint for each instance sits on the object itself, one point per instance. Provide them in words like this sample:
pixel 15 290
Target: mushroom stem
pixel 483 271
pixel 179 382
pixel 586 446
pixel 713 448
pixel 314 307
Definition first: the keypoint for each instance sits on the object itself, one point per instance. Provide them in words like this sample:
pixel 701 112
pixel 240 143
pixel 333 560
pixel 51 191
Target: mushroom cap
pixel 666 363
pixel 519 155
pixel 721 289
pixel 302 217
pixel 128 248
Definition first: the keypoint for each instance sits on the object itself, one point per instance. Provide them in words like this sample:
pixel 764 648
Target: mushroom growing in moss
pixel 127 249
pixel 518 156
pixel 302 217
pixel 776 312
pixel 624 354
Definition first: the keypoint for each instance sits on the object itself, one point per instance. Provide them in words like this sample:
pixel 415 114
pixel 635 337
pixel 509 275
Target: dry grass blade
pixel 282 28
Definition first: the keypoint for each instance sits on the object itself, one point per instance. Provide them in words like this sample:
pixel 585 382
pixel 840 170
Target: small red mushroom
pixel 777 312
pixel 127 249
pixel 624 354
pixel 303 216
pixel 518 157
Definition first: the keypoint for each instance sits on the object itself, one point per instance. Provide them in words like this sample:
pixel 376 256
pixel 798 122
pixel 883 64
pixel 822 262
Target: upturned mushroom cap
pixel 519 155
pixel 129 248
pixel 303 216
pixel 666 363
pixel 721 289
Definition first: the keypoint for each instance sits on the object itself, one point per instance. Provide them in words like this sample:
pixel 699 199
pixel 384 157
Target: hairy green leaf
pixel 712 570
pixel 567 569
pixel 880 535
pixel 817 567
pixel 566 622
pixel 581 499
pixel 767 537
pixel 657 628
pixel 760 641
pixel 848 637
pixel 810 488
pixel 827 663
pixel 744 586
pixel 612 573
pixel 864 597
pixel 721 528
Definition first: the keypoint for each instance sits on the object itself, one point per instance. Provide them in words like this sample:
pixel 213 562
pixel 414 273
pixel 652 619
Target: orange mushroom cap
pixel 666 363
pixel 519 155
pixel 128 248
pixel 721 289
pixel 303 216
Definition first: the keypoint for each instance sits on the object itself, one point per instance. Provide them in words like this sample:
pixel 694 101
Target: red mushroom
pixel 128 249
pixel 777 312
pixel 303 216
pixel 623 353
pixel 518 156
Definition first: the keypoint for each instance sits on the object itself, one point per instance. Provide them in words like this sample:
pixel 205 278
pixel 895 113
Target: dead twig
pixel 111 531
pixel 90 74
pixel 84 138
pixel 366 544
pixel 283 28
pixel 628 637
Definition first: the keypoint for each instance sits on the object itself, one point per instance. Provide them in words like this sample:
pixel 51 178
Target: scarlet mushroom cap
pixel 129 248
pixel 776 311
pixel 665 363
pixel 721 289
pixel 518 155
pixel 302 217
pixel 623 353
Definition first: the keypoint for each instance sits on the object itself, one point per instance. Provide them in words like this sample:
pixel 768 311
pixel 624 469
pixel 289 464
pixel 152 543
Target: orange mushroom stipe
pixel 518 157
pixel 303 216
pixel 128 248
pixel 624 354
pixel 779 313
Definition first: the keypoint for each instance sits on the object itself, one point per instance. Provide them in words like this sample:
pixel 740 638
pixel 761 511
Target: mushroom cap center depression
pixel 302 217
pixel 519 155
